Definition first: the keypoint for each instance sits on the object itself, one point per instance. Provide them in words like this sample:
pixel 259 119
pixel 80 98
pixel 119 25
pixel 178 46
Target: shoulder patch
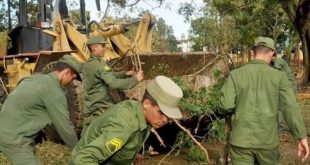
pixel 114 145
pixel 107 68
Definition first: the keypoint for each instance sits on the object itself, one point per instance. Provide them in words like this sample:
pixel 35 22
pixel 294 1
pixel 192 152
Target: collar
pixel 256 61
pixel 141 118
pixel 54 76
pixel 93 57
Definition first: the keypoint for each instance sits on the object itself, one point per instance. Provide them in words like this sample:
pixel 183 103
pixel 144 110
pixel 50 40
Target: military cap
pixel 96 40
pixel 167 94
pixel 264 41
pixel 70 60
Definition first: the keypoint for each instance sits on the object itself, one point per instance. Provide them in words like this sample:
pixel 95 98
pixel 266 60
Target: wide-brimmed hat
pixel 264 41
pixel 167 94
pixel 74 64
pixel 96 40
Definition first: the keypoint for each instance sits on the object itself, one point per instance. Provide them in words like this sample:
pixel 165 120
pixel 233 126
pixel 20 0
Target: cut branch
pixel 198 124
pixel 194 140
pixel 161 141
pixel 161 161
pixel 206 66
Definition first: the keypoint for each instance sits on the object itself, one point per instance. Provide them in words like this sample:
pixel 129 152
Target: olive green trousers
pixel 20 155
pixel 251 156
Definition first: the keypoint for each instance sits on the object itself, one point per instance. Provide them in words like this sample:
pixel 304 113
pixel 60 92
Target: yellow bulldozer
pixel 31 45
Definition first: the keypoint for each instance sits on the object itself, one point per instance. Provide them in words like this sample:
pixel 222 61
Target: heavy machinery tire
pixel 75 104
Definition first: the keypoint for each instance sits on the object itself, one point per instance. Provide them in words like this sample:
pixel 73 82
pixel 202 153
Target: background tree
pixel 4 18
pixel 298 12
pixel 164 39
pixel 228 26
pixel 3 15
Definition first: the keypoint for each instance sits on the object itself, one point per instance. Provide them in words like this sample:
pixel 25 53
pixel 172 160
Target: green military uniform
pixel 37 101
pixel 280 64
pixel 115 137
pixel 256 93
pixel 98 79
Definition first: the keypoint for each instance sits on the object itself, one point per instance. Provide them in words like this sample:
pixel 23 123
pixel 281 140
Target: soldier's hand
pixel 138 159
pixel 139 75
pixel 303 149
pixel 130 73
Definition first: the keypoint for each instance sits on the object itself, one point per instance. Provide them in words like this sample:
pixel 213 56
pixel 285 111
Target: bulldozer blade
pixel 172 64
pixel 46 57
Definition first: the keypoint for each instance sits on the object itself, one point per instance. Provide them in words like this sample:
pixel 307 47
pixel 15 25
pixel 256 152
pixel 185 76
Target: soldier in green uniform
pixel 98 78
pixel 280 64
pixel 255 93
pixel 116 136
pixel 38 100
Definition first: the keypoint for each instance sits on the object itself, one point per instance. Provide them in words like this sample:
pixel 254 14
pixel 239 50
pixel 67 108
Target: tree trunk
pixel 299 13
pixel 306 46
pixel 302 24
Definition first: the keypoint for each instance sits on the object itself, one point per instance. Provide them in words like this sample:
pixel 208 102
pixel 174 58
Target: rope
pixel 135 60
pixel 3 87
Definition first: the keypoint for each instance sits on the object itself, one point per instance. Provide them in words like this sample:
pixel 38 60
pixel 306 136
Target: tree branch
pixel 106 9
pixel 161 141
pixel 137 1
pixel 160 3
pixel 195 141
pixel 290 9
pixel 173 148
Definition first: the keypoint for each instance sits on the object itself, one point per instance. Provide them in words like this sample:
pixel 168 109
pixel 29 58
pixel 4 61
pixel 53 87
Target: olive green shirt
pixel 280 64
pixel 114 137
pixel 97 79
pixel 37 101
pixel 256 93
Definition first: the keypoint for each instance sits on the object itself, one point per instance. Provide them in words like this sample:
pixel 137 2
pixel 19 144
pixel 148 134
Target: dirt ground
pixel 56 154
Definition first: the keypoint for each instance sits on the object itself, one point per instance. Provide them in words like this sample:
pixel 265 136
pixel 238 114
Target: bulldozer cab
pixel 33 17
pixel 25 47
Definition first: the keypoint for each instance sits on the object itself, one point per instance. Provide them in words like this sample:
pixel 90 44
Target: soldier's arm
pixel 290 109
pixel 57 109
pixel 121 74
pixel 116 83
pixel 228 96
pixel 290 76
pixel 282 65
pixel 113 138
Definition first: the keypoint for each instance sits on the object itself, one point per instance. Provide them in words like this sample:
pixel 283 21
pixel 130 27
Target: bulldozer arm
pixel 3 43
pixel 62 32
pixel 143 38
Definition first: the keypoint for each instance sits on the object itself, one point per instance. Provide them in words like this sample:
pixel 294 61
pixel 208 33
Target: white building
pixel 185 44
